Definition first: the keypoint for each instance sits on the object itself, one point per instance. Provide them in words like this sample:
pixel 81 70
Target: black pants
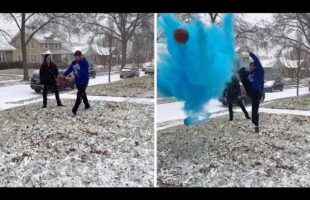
pixel 240 104
pixel 255 97
pixel 52 86
pixel 81 95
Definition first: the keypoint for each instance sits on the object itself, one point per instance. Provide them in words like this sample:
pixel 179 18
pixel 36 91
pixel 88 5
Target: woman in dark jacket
pixel 233 94
pixel 48 76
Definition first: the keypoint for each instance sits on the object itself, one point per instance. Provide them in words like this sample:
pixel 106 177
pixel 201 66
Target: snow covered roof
pixel 268 63
pixel 289 63
pixel 41 37
pixel 5 46
pixel 104 51
pixel 89 50
pixel 56 51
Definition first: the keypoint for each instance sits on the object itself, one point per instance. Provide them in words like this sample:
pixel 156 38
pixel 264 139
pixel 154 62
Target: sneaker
pixel 73 114
pixel 87 107
pixel 230 119
pixel 60 104
pixel 256 129
pixel 43 106
pixel 248 117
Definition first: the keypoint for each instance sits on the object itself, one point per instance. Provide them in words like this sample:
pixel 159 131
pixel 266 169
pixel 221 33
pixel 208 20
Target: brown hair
pixel 78 53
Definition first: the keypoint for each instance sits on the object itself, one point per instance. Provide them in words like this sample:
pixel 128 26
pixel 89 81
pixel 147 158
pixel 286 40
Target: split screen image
pixel 154 100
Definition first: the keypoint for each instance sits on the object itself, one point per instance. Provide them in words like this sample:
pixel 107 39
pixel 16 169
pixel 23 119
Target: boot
pixel 256 129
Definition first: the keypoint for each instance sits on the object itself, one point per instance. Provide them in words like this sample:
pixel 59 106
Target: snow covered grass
pixel 109 145
pixel 294 103
pixel 131 87
pixel 228 154
pixel 162 100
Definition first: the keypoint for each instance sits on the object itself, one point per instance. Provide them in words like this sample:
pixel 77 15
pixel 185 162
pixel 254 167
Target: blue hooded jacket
pixel 256 77
pixel 80 71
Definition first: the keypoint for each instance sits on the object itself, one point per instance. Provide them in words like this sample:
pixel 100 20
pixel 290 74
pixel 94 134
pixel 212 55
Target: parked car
pixel 244 97
pixel 129 72
pixel 149 69
pixel 273 85
pixel 38 87
pixel 92 71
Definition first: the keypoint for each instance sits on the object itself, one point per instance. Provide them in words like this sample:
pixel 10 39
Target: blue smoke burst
pixel 196 71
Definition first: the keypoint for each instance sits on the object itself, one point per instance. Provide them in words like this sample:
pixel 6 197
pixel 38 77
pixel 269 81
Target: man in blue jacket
pixel 79 67
pixel 255 78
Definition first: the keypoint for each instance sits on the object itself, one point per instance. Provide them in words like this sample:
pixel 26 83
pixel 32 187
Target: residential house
pixel 98 55
pixel 39 45
pixel 6 51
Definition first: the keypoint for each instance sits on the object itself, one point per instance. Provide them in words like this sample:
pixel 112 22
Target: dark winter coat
pixel 233 90
pixel 80 71
pixel 243 75
pixel 256 77
pixel 48 74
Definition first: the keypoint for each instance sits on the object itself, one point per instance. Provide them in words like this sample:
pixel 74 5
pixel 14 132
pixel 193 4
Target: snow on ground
pixel 294 103
pixel 173 111
pixel 149 101
pixel 222 153
pixel 131 87
pixel 109 145
pixel 19 92
pixel 285 93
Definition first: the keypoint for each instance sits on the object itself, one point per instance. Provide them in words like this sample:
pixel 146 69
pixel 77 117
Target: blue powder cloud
pixel 196 71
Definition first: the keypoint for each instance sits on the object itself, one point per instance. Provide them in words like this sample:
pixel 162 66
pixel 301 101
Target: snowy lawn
pixel 131 87
pixel 222 153
pixel 294 103
pixel 109 145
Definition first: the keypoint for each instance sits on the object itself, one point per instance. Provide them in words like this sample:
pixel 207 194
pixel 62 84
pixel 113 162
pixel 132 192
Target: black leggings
pixel 240 104
pixel 81 95
pixel 255 97
pixel 52 86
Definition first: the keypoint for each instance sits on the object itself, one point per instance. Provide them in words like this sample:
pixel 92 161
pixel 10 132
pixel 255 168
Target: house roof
pixel 57 51
pixel 289 63
pixel 5 46
pixel 41 38
pixel 93 49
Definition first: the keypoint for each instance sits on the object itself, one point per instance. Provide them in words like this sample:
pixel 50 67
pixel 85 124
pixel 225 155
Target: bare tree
pixel 32 22
pixel 246 34
pixel 124 26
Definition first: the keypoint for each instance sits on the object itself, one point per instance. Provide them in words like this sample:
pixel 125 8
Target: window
pixel 19 57
pixel 32 45
pixel 56 46
pixel 2 57
pixel 17 45
pixel 33 58
pixel 95 58
pixel 45 46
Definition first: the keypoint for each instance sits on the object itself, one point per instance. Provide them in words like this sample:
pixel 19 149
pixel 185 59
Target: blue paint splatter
pixel 196 71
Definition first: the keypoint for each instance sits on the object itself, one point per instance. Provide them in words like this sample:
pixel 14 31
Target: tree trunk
pixel 124 52
pixel 23 47
pixel 298 77
pixel 109 74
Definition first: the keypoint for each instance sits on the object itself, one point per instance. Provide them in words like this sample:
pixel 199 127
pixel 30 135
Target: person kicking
pixel 79 67
pixel 253 81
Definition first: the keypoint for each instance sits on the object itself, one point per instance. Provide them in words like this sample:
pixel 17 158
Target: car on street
pixel 273 85
pixel 38 87
pixel 129 72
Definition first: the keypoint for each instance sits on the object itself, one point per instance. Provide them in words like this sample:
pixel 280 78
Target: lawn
pixel 110 145
pixel 230 154
pixel 131 87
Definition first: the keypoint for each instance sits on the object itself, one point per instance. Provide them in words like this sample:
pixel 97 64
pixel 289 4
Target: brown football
pixel 181 35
